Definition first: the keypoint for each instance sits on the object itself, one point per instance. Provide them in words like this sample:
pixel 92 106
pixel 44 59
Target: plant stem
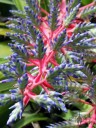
pixel 35 125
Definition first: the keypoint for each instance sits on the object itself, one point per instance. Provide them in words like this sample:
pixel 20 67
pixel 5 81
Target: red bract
pixel 48 36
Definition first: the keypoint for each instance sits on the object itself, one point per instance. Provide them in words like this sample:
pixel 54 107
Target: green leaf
pixel 6 86
pixel 7 2
pixel 19 4
pixel 5 50
pixel 44 4
pixel 2 61
pixel 1 76
pixel 85 2
pixel 37 90
pixel 83 107
pixel 68 115
pixel 4 112
pixel 3 31
pixel 30 118
pixel 2 24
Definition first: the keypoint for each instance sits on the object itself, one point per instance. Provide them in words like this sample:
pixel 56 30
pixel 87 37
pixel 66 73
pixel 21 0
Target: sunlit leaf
pixel 67 115
pixel 30 118
pixel 2 24
pixel 4 49
pixel 19 4
pixel 4 52
pixel 3 31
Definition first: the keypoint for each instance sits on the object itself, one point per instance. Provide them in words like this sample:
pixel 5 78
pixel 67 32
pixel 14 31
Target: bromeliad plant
pixel 50 52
